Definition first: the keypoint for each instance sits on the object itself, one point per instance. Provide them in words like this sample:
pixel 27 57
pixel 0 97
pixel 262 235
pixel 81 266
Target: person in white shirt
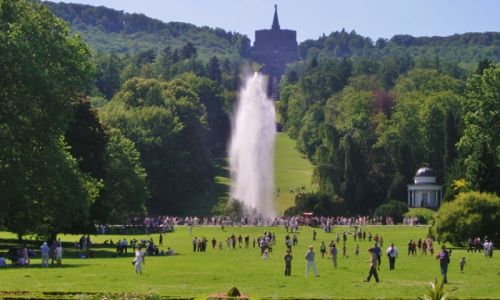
pixel 59 253
pixel 45 251
pixel 392 253
pixel 139 260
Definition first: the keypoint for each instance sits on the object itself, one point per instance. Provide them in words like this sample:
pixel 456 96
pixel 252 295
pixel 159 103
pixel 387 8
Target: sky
pixel 313 18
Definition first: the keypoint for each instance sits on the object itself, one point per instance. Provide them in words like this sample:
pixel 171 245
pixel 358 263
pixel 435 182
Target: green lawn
pixel 292 170
pixel 200 274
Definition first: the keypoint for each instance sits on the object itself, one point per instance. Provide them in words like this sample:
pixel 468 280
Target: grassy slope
pixel 200 274
pixel 291 170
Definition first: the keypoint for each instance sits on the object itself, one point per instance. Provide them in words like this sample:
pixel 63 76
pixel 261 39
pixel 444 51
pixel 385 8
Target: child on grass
pixel 462 263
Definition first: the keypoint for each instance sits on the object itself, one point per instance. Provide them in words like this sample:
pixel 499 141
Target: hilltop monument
pixel 274 48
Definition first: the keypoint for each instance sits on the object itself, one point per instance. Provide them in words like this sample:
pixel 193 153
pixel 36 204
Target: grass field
pixel 198 275
pixel 292 170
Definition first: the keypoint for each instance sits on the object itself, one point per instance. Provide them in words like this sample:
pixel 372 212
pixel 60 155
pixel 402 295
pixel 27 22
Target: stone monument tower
pixel 274 48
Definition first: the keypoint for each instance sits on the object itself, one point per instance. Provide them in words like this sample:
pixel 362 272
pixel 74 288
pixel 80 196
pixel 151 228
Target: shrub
pixel 424 215
pixel 233 292
pixel 436 291
pixel 394 209
pixel 470 214
pixel 321 204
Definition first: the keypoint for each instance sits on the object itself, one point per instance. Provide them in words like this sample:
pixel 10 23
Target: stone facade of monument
pixel 274 48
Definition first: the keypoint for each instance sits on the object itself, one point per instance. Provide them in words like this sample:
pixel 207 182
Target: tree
pixel 43 69
pixel 125 188
pixel 87 139
pixel 343 161
pixel 480 144
pixel 470 214
pixel 167 123
pixel 321 204
pixel 188 51
pixel 214 71
pixel 394 209
pixel 108 76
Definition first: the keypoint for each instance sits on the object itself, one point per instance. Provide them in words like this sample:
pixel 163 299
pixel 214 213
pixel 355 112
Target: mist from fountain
pixel 251 152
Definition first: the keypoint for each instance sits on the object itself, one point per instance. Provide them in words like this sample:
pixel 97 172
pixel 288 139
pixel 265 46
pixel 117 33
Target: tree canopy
pixel 44 69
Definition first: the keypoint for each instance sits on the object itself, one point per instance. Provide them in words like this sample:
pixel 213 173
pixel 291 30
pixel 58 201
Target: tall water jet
pixel 251 152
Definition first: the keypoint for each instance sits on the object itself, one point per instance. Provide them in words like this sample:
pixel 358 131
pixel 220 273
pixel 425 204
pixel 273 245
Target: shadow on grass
pixel 37 265
pixel 69 251
pixel 83 295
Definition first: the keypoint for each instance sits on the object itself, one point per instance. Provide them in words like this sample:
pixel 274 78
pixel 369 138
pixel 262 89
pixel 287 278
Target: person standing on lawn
pixel 373 266
pixel 139 260
pixel 288 262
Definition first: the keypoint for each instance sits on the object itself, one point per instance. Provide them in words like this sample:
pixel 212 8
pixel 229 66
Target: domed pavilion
pixel 425 192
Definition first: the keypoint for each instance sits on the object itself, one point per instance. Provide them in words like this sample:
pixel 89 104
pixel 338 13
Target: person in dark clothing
pixel 373 266
pixel 444 261
pixel 288 263
pixel 378 253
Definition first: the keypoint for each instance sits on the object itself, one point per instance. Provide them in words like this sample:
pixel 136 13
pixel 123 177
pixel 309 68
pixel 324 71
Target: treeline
pixel 463 48
pixel 97 139
pixel 369 127
pixel 112 31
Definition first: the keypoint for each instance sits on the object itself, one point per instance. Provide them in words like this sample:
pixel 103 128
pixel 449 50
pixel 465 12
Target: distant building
pixel 274 48
pixel 425 192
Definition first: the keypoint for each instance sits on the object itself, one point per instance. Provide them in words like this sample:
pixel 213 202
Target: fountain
pixel 251 152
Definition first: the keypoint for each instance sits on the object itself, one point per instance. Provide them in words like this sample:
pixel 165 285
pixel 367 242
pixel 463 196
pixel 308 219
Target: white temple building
pixel 425 192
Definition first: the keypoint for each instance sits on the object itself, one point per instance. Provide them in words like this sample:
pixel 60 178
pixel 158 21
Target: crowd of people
pixel 168 223
pixel 23 256
pixel 476 245
pixel 265 243
pixel 411 221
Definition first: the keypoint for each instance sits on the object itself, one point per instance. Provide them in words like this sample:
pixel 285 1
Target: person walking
pixel 322 249
pixel 333 254
pixel 462 263
pixel 392 253
pixel 310 262
pixel 444 261
pixel 373 266
pixel 378 253
pixel 288 262
pixel 45 251
pixel 139 260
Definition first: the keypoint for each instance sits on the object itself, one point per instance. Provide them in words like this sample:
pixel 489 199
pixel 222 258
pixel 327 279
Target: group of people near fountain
pixel 337 248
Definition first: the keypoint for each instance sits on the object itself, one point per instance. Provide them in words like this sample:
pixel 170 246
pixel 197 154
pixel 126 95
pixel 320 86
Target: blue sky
pixel 312 18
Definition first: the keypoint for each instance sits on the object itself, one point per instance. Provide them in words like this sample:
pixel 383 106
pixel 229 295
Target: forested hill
pixel 464 48
pixel 109 30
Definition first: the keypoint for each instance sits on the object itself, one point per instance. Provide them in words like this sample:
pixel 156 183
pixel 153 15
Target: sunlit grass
pixel 201 274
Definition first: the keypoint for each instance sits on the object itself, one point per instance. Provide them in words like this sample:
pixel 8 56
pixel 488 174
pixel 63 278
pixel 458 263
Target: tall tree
pixel 108 75
pixel 125 187
pixel 43 69
pixel 214 71
pixel 480 144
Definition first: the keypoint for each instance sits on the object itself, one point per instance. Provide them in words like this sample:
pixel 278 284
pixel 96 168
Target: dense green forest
pixel 132 122
pixel 111 31
pixel 367 132
pixel 459 48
